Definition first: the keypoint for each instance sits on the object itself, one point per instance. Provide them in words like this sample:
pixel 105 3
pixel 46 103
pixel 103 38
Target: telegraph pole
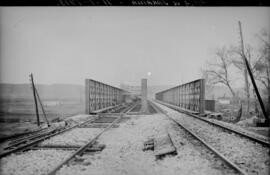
pixel 35 98
pixel 48 123
pixel 245 69
pixel 251 75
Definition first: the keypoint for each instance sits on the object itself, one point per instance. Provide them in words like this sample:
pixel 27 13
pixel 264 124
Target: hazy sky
pixel 118 44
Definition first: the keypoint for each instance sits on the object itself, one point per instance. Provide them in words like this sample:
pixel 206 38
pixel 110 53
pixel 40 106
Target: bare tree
pixel 262 68
pixel 218 72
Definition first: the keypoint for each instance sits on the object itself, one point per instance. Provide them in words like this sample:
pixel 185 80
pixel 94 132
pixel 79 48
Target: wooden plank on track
pixel 94 148
pixel 163 145
pixel 98 125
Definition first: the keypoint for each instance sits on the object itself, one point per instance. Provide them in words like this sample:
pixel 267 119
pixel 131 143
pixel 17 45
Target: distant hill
pixel 46 92
pixel 77 92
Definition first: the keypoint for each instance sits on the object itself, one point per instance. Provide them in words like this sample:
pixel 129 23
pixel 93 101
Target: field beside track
pixel 19 116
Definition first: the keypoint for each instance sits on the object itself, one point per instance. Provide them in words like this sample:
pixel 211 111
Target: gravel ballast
pixel 248 155
pixel 76 136
pixel 239 128
pixel 123 153
pixel 33 162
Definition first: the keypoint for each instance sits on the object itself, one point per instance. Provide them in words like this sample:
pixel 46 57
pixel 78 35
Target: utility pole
pixel 245 68
pixel 35 98
pixel 251 75
pixel 47 121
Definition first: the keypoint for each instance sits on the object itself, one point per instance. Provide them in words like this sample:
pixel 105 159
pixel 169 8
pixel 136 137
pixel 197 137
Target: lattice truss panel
pixel 100 95
pixel 189 96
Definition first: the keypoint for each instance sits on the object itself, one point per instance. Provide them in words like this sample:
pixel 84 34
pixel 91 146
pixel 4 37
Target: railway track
pixel 20 135
pixel 252 158
pixel 81 150
pixel 61 153
pixel 32 140
pixel 28 141
pixel 259 139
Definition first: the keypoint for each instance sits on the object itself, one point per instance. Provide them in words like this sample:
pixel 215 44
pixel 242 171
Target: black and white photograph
pixel 139 90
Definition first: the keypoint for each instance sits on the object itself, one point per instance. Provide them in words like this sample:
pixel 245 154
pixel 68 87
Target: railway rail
pixel 20 135
pixel 245 134
pixel 229 159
